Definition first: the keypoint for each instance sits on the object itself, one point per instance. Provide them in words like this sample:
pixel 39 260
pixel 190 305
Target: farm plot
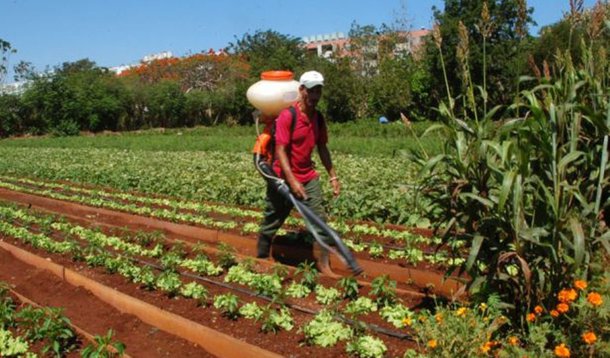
pixel 283 310
pixel 389 241
pixel 373 189
pixel 371 242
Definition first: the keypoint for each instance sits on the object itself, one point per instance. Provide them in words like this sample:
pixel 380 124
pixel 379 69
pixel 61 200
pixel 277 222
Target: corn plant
pixel 522 186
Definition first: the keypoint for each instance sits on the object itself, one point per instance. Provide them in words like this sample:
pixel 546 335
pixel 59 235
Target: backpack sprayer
pixel 275 91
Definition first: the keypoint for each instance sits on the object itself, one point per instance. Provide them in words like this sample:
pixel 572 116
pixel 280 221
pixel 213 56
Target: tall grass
pixel 523 193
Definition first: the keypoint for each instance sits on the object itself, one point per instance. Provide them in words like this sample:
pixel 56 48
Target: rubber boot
pixel 263 246
pixel 323 261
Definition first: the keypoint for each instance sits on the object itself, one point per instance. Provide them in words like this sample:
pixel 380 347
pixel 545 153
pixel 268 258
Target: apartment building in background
pixel 337 44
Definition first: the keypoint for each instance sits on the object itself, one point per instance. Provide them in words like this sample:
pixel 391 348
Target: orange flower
pixel 485 348
pixel 531 317
pixel 589 337
pixel 432 343
pixel 567 295
pixel 595 299
pixel 438 317
pixel 538 309
pixel 580 284
pixel 554 313
pixel 562 307
pixel 407 321
pixel 562 351
pixel 513 341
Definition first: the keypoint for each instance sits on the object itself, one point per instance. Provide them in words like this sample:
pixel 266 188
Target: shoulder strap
pixel 293 123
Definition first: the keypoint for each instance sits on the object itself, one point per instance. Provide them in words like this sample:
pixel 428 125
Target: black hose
pixel 308 215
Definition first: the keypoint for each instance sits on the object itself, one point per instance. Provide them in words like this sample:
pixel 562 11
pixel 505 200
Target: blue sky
pixel 116 32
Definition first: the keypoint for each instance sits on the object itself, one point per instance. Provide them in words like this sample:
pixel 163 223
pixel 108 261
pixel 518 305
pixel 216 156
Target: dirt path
pixel 141 339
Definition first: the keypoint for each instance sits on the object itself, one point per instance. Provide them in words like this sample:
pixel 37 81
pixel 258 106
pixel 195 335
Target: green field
pixel 215 164
pixel 365 138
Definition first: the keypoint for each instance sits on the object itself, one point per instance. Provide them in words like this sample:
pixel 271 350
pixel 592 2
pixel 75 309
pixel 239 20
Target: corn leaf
pixel 579 241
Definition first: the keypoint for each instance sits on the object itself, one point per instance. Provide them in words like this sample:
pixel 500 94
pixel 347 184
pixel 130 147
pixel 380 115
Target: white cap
pixel 311 79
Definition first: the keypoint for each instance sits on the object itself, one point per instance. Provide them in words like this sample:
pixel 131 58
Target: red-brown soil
pixel 286 343
pixel 91 314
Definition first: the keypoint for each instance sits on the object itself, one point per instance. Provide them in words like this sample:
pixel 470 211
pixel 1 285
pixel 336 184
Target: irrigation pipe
pixel 217 343
pixel 251 293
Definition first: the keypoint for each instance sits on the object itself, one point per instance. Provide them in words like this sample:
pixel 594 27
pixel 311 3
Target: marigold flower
pixel 432 343
pixel 538 309
pixel 513 341
pixel 554 313
pixel 562 307
pixel 438 317
pixel 562 351
pixel 485 348
pixel 460 312
pixel 580 284
pixel 531 317
pixel 595 299
pixel 567 295
pixel 589 337
pixel 407 321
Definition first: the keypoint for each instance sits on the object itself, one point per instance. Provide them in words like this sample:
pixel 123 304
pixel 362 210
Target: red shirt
pixel 305 137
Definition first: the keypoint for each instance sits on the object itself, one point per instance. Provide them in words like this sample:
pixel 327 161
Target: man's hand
pixel 298 189
pixel 336 186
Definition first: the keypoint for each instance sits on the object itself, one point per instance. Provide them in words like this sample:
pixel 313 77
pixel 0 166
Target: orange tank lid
pixel 277 75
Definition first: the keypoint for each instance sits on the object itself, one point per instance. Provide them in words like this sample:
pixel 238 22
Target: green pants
pixel 278 208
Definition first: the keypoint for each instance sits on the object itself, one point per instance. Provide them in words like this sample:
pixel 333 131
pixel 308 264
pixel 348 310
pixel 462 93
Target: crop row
pixel 125 258
pixel 23 327
pixel 373 189
pixel 197 213
pixel 206 208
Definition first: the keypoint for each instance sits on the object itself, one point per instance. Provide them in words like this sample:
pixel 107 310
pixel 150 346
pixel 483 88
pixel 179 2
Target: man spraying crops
pixel 298 131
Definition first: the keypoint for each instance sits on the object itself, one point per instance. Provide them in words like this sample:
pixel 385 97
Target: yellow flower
pixel 580 284
pixel 562 307
pixel 562 351
pixel 554 313
pixel 567 295
pixel 460 312
pixel 432 343
pixel 438 317
pixel 483 306
pixel 589 337
pixel 513 341
pixel 531 317
pixel 407 321
pixel 595 299
pixel 538 309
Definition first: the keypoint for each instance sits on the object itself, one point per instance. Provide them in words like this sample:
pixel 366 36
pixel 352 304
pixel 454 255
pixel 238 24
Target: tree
pixel 494 48
pixel 269 50
pixel 5 50
pixel 23 71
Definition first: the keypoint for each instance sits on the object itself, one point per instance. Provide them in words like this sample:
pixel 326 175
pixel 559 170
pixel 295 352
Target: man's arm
pixel 326 160
pixel 297 188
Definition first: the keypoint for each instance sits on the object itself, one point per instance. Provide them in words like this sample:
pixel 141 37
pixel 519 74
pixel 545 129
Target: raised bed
pixel 247 330
pixel 424 278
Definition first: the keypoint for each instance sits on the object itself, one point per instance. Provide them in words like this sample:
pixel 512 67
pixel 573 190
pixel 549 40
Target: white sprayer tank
pixel 275 91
